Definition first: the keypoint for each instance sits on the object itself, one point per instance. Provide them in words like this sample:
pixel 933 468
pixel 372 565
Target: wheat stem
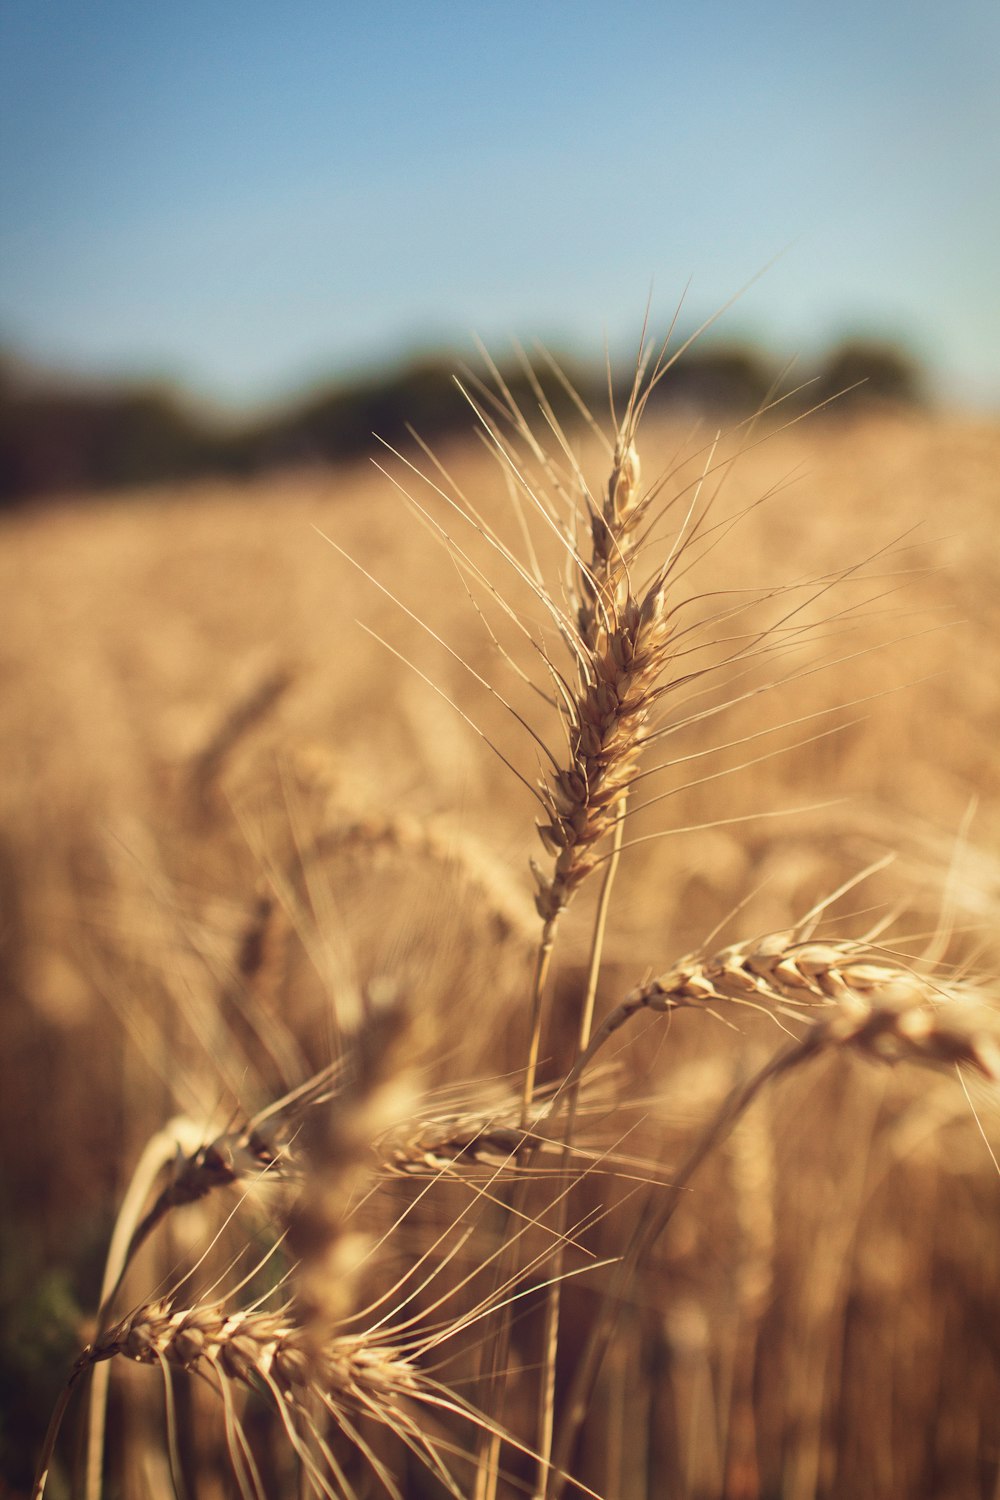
pixel 553 1304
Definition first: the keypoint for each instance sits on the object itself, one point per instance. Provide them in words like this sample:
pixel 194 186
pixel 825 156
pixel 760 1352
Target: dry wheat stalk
pixel 852 996
pixel 488 1136
pixel 892 1016
pixel 243 1152
pixel 312 1369
pixel 620 646
pixel 880 1001
pixel 319 1136
pixel 752 1176
pixel 241 716
pixel 490 886
pixel 265 1147
pixel 621 637
pixel 373 1094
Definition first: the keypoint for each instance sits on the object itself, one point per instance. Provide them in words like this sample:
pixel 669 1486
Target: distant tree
pixel 61 437
pixel 727 378
pixel 344 420
pixel 862 372
pixel 339 422
pixel 55 437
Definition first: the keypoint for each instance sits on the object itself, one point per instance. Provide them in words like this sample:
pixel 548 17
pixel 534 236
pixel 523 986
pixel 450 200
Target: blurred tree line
pixel 57 438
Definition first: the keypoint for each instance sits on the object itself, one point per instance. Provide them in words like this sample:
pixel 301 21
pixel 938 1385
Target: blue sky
pixel 246 196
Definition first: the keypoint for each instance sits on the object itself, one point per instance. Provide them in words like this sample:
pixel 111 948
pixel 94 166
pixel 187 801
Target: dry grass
pixel 263 879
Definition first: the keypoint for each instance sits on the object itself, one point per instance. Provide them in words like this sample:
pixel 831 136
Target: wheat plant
pixel 434 1256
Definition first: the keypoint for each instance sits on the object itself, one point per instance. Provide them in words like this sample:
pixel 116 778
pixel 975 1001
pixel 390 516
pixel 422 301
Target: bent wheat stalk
pixel 782 974
pixel 891 1017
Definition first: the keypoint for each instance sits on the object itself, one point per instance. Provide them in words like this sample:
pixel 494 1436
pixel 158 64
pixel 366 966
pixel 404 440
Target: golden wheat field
pixel 345 1156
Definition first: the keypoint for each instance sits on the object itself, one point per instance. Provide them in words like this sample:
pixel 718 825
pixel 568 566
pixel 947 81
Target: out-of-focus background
pixel 235 242
pixel 217 228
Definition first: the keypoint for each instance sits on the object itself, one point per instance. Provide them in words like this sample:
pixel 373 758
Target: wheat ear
pixel 782 974
pixel 349 1377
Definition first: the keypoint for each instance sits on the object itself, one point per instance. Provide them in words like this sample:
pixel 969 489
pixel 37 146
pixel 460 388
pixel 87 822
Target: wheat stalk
pixel 355 1137
pixel 491 889
pixel 888 1022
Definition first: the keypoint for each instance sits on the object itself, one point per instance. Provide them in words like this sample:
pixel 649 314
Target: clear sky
pixel 245 194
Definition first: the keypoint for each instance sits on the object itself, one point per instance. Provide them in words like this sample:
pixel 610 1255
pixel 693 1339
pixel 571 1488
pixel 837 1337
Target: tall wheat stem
pixel 546 1415
pixel 488 1459
pixel 645 1235
pixel 543 960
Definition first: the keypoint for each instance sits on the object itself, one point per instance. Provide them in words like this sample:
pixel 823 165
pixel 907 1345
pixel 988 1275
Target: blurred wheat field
pixel 227 802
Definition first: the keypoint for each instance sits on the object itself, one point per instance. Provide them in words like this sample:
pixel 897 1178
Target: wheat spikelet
pixel 249 1151
pixel 262 954
pixel 621 646
pixel 242 715
pixel 492 892
pixel 873 1003
pixel 250 1344
pixel 350 1377
pixel 243 1345
pixel 336 1143
pixel 896 1025
pixel 489 1136
pixel 609 723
